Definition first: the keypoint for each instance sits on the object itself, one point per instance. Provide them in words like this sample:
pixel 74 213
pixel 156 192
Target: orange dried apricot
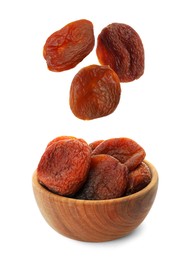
pixel 95 92
pixel 65 48
pixel 120 47
pixel 64 165
pixel 125 150
pixel 107 179
pixel 138 178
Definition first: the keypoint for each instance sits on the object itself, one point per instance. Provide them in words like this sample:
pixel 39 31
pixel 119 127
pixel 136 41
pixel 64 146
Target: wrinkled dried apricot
pixel 125 150
pixel 138 178
pixel 63 167
pixel 120 47
pixel 95 92
pixel 65 48
pixel 107 179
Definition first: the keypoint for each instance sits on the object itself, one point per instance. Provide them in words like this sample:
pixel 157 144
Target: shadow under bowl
pixel 95 220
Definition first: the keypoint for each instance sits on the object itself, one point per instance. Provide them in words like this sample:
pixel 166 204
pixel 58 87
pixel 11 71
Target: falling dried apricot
pixel 65 48
pixel 120 47
pixel 63 167
pixel 95 92
pixel 107 179
pixel 125 150
pixel 138 178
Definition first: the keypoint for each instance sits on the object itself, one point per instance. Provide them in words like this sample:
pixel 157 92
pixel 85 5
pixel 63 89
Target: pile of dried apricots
pixel 104 169
pixel 100 170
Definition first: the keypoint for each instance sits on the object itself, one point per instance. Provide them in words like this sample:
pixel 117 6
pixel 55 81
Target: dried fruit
pixel 63 167
pixel 95 92
pixel 65 48
pixel 138 179
pixel 101 170
pixel 120 47
pixel 107 179
pixel 125 150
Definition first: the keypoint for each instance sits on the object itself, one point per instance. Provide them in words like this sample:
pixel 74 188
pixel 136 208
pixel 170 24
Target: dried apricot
pixel 107 179
pixel 65 48
pixel 125 150
pixel 138 178
pixel 63 167
pixel 120 47
pixel 95 92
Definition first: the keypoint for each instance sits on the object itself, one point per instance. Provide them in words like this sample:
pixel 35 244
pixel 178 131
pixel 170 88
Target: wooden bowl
pixel 95 220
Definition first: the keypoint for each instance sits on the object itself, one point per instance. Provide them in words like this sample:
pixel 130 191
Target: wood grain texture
pixel 95 221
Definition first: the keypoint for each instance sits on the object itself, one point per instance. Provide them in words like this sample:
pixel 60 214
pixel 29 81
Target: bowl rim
pixel 153 183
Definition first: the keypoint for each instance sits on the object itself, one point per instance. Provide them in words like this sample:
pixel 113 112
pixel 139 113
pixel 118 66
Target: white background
pixel 34 109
